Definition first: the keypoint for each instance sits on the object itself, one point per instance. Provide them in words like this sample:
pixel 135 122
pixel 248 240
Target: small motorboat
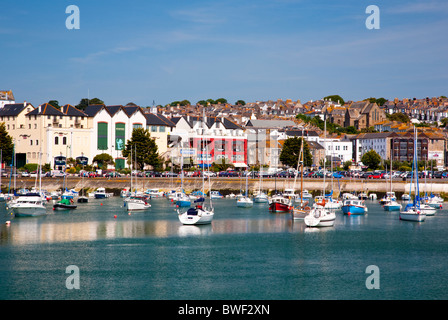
pixel 65 204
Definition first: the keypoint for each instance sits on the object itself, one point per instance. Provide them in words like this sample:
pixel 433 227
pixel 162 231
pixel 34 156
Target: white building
pixel 380 142
pixel 112 127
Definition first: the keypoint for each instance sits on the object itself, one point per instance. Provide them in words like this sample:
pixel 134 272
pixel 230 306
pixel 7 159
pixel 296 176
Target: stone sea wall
pixel 228 185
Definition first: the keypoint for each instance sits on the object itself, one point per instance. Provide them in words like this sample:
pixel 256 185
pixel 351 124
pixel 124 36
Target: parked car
pixel 112 174
pixel 58 174
pixel 169 174
pixel 376 175
pixel 338 175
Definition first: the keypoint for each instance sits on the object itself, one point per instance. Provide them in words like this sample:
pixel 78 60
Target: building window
pixel 56 140
pixel 153 128
pixel 102 136
pixel 64 140
pixel 31 142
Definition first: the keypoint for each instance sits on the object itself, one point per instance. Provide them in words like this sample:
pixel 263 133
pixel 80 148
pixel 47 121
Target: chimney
pixel 24 103
pixel 40 108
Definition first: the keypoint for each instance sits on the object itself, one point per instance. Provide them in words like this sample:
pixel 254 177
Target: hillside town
pixel 241 134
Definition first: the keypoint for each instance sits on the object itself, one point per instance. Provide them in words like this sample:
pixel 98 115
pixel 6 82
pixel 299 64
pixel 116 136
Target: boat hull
pixel 83 199
pixel 412 216
pixel 312 220
pixel 137 206
pixel 60 207
pixel 244 204
pixel 353 210
pixel 183 203
pixel 392 207
pixel 196 217
pixel 29 212
pixel 279 207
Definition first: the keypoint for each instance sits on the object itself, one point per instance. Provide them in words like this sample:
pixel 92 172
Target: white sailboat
pixel 303 209
pixel 412 211
pixel 30 205
pixel 261 197
pixel 319 215
pixel 135 202
pixel 392 204
pixel 246 201
pixel 200 214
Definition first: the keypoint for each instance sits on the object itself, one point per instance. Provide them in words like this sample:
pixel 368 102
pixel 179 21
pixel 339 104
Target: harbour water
pixel 246 253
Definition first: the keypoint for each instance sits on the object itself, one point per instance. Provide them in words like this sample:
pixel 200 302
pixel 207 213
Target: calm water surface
pixel 244 254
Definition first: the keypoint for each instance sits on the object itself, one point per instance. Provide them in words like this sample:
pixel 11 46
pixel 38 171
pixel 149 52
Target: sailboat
pixel 412 211
pixel 82 198
pixel 434 200
pixel 199 214
pixel 301 211
pixel 261 197
pixel 392 204
pixel 246 201
pixel 180 197
pixel 31 204
pixel 134 202
pixel 319 215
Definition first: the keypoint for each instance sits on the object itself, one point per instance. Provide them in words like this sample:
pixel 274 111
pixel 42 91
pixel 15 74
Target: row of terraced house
pixel 200 136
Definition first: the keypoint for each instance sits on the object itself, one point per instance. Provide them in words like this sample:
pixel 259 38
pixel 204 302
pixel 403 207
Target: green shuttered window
pixel 102 136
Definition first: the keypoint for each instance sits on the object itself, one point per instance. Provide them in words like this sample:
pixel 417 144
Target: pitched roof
pixel 93 109
pixel 70 110
pixel 158 120
pixel 13 109
pixel 114 109
pixel 46 109
pixel 130 110
pixel 270 123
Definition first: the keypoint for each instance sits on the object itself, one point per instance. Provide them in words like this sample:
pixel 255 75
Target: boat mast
pixel 301 174
pixel 325 156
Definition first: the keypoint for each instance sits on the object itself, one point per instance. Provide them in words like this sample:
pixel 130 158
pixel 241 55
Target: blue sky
pixel 162 51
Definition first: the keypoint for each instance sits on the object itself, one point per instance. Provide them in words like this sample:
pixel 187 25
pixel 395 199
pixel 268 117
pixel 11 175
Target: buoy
pixel 8 223
pixel 101 204
pixel 115 216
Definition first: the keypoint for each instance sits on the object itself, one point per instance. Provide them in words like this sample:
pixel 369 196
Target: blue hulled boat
pixel 352 206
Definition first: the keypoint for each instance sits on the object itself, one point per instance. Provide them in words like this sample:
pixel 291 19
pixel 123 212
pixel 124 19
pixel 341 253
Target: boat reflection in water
pixel 35 231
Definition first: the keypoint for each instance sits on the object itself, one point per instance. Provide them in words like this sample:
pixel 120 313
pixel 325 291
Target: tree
pixel 241 102
pixel 86 102
pixel 6 144
pixel 221 100
pixel 291 150
pixel 144 149
pixel 371 159
pixel 400 117
pixel 55 103
pixel 335 98
pixel 202 103
pixel 103 159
